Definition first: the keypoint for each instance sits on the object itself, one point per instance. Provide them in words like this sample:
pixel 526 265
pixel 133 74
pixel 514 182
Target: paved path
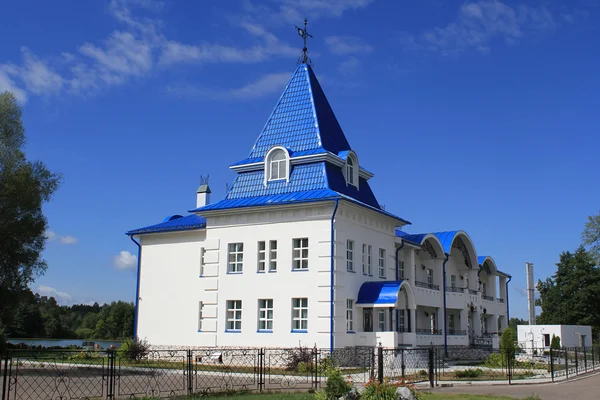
pixel 581 388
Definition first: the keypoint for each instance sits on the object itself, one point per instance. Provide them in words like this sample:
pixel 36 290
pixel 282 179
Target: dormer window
pixel 351 169
pixel 277 165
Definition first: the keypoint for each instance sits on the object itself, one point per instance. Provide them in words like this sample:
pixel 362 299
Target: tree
pixel 24 187
pixel 572 294
pixel 555 343
pixel 591 236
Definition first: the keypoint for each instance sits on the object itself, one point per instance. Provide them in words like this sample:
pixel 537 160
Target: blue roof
pixel 481 259
pixel 413 238
pixel 446 238
pixel 381 292
pixel 302 120
pixel 173 223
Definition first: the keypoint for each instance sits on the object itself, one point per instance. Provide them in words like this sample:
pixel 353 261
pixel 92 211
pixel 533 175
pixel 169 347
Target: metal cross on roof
pixel 304 35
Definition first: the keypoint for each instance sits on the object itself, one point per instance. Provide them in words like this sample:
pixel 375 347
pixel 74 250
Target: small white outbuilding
pixel 540 336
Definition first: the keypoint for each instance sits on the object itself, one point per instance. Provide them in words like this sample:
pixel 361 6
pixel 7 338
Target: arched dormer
pixel 277 165
pixel 351 169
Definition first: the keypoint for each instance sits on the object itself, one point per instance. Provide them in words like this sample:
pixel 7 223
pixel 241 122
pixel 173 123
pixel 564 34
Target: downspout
pixel 507 305
pixel 397 278
pixel 445 322
pixel 137 290
pixel 331 276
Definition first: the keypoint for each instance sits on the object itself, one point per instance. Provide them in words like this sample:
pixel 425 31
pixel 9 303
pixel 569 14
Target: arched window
pixel 351 169
pixel 277 165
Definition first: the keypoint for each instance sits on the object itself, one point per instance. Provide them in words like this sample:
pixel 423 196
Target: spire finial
pixel 304 35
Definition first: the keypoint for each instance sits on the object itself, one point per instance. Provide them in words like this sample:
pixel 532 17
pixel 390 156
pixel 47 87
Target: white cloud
pixel 294 11
pixel 52 236
pixel 61 297
pixel 350 66
pixel 125 260
pixel 265 85
pixel 478 23
pixel 342 45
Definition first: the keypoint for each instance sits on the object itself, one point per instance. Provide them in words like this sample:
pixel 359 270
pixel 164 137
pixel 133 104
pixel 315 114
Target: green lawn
pixel 453 396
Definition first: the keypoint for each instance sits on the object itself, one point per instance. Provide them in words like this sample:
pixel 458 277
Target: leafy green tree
pixel 572 294
pixel 591 236
pixel 24 187
pixel 555 343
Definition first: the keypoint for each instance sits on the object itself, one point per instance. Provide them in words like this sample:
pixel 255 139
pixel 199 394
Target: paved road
pixel 582 388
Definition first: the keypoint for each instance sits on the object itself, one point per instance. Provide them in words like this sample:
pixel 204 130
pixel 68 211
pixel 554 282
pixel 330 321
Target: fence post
pixel 431 373
pixel 576 362
pixel 110 382
pixel 380 363
pixel 552 364
pixel 316 368
pixel 593 359
pixel 403 366
pixel 188 368
pixel 261 369
pixel 585 359
pixel 566 362
pixel 508 354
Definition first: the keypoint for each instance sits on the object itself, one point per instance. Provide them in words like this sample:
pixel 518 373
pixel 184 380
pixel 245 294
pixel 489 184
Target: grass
pixel 454 396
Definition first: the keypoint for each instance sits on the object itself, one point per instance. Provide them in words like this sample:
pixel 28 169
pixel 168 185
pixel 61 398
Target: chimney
pixel 530 293
pixel 203 193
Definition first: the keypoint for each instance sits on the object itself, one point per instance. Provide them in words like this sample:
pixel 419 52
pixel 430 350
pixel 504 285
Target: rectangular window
pixel 484 289
pixel 300 314
pixel 273 256
pixel 364 259
pixel 452 281
pixel 451 322
pixel 234 315
pixel 262 256
pixel 546 339
pixel 300 254
pixel 265 314
pixel 369 260
pixel 200 307
pixel 381 320
pixel 382 263
pixel 430 276
pixel 236 257
pixel 349 315
pixel 350 255
pixel 401 321
pixel 400 269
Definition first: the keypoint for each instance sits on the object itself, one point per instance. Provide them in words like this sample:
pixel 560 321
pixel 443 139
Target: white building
pixel 300 251
pixel 540 336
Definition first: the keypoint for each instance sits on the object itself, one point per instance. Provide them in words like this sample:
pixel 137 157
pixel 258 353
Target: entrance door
pixel 368 320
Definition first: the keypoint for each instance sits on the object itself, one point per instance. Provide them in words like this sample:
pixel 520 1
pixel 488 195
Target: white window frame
pixel 370 260
pixel 279 164
pixel 364 259
pixel 451 322
pixel 400 269
pixel 484 288
pixel 381 263
pixel 262 256
pixel 299 314
pixel 234 315
pixel 300 254
pixel 237 251
pixel 429 275
pixel 272 255
pixel 265 315
pixel 351 169
pixel 401 320
pixel 453 281
pixel 349 315
pixel 381 320
pixel 350 255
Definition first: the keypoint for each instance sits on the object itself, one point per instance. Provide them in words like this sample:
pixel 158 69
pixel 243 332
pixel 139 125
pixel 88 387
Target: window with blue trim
pixel 369 260
pixel 235 260
pixel 300 314
pixel 278 165
pixel 364 259
pixel 382 263
pixel 262 256
pixel 300 254
pixel 234 315
pixel 265 314
pixel 349 315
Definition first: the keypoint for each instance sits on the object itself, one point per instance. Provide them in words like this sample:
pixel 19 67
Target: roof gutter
pixel 331 276
pixel 137 289
pixel 445 322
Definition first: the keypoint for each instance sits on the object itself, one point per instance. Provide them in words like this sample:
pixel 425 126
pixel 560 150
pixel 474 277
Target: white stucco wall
pixel 569 335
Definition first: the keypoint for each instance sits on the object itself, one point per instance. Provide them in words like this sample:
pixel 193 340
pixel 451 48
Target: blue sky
pixel 473 115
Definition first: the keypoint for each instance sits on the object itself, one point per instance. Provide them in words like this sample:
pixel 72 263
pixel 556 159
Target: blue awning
pixel 382 293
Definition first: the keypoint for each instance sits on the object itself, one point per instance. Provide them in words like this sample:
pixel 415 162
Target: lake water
pixel 64 342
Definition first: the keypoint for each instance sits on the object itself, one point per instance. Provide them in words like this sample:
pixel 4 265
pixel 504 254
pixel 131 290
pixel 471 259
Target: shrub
pixel 555 343
pixel 496 360
pixel 469 373
pixel 301 354
pixel 133 350
pixel 384 391
pixel 336 386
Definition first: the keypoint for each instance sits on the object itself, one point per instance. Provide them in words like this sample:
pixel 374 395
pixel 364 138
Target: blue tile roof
pixel 174 223
pixel 416 238
pixel 381 292
pixel 302 120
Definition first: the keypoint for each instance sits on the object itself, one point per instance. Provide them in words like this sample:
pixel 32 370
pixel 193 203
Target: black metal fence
pixel 82 374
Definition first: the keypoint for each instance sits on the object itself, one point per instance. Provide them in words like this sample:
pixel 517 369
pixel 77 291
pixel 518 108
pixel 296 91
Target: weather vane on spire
pixel 305 35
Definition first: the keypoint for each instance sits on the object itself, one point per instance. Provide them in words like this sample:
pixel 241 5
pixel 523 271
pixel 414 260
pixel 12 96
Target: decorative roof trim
pixel 327 157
